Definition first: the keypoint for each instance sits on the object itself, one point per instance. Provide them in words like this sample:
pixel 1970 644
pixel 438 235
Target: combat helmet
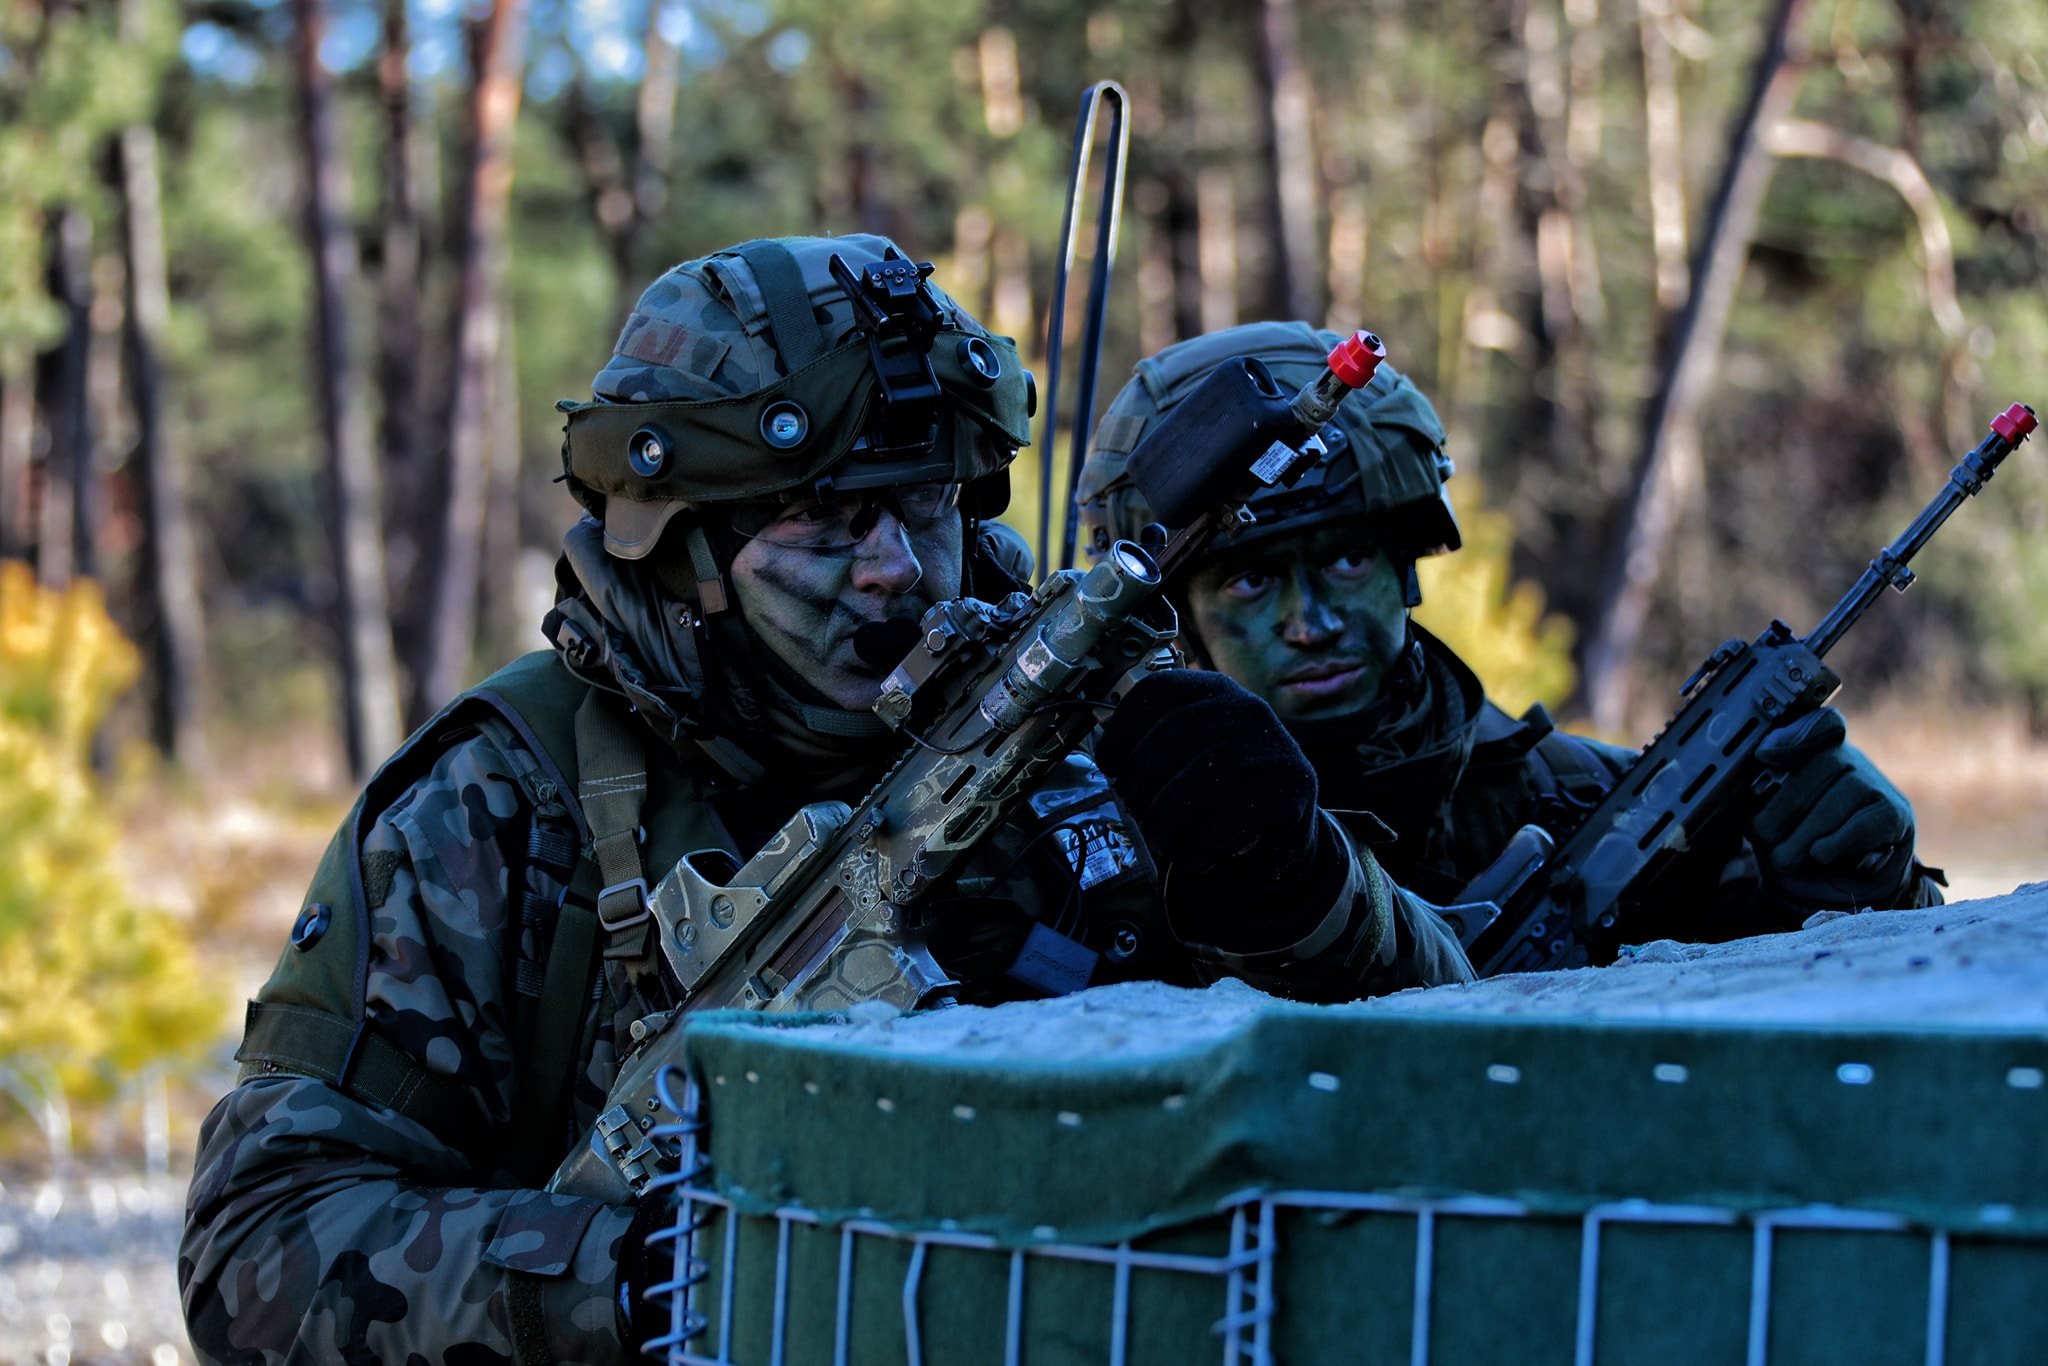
pixel 1386 464
pixel 793 364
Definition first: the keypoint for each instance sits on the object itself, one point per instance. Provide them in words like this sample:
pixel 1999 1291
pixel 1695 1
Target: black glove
pixel 1836 834
pixel 1226 802
pixel 641 1320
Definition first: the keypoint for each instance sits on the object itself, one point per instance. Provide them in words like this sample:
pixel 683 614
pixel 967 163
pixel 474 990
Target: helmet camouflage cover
pixel 750 373
pixel 1386 465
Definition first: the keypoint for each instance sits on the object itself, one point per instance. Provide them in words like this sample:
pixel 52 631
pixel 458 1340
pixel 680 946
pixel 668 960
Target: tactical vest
pixel 601 816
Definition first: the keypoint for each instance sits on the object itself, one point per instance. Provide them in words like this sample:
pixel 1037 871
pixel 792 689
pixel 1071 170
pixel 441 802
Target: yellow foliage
pixel 1497 626
pixel 89 983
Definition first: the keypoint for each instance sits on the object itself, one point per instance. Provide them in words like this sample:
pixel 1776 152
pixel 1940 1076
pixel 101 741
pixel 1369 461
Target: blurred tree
pixel 1289 156
pixel 66 533
pixel 1671 443
pixel 168 573
pixel 441 666
pixel 361 616
pixel 407 508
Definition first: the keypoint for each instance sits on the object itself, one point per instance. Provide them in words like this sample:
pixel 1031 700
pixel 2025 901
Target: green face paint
pixel 806 604
pixel 1310 624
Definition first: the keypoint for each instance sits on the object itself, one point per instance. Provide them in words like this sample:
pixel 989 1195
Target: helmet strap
pixel 713 597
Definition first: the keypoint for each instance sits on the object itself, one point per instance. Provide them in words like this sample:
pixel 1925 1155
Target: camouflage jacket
pixel 324 1225
pixel 1457 776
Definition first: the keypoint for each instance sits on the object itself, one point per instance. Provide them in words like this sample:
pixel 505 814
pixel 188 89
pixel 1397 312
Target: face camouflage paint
pixel 806 604
pixel 1311 625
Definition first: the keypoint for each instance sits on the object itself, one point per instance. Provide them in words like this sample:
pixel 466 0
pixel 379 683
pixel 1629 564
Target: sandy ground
pixel 1981 964
pixel 87 1272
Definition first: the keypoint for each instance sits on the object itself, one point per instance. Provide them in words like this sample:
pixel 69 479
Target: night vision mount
pixel 895 310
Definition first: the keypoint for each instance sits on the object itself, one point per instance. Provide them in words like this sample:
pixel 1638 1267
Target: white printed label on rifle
pixel 1268 468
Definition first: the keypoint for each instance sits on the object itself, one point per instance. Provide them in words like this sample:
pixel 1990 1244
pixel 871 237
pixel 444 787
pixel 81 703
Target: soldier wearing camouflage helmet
pixel 1309 609
pixel 795 444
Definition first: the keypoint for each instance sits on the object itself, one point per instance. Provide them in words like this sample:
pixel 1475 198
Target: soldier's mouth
pixel 1330 679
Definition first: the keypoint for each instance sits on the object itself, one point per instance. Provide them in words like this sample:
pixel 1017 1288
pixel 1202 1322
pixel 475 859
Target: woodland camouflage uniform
pixel 1452 774
pixel 371 1188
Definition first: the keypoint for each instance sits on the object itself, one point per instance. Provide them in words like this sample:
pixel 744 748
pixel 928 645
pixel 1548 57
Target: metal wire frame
pixel 1245 1273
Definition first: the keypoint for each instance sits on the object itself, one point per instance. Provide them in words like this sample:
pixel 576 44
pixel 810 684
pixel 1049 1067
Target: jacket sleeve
pixel 323 1227
pixel 1374 939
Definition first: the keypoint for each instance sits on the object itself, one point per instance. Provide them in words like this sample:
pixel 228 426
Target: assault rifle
pixel 989 698
pixel 1546 903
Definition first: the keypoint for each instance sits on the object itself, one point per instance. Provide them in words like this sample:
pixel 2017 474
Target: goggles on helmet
pixel 836 521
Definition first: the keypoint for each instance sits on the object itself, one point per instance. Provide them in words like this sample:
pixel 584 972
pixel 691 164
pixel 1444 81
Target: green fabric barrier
pixel 1936 1127
pixel 1937 1134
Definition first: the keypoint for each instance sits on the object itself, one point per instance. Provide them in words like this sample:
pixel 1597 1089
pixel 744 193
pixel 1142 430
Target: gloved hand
pixel 1226 802
pixel 641 1320
pixel 1837 834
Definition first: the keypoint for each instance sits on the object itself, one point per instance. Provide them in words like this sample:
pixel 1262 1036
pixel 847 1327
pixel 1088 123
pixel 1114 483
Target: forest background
pixel 1709 291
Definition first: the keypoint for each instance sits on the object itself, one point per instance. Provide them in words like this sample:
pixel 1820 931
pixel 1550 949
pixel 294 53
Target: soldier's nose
pixel 884 561
pixel 1312 623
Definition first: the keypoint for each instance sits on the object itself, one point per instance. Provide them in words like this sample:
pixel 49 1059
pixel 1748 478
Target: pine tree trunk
pixel 1216 243
pixel 1691 354
pixel 654 116
pixel 1664 159
pixel 168 580
pixel 508 625
pixel 362 622
pixel 1290 160
pixel 63 540
pixel 407 507
pixel 444 659
pixel 17 444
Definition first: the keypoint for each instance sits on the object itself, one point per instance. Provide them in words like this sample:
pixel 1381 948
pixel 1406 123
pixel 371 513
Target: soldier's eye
pixel 1354 563
pixel 1245 587
pixel 809 514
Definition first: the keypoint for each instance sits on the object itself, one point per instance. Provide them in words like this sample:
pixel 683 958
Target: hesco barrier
pixel 1329 1185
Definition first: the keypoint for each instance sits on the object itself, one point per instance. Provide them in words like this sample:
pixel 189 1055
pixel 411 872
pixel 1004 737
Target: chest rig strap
pixel 612 790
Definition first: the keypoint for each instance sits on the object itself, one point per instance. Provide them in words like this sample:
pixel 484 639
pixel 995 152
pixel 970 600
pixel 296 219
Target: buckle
pixel 638 917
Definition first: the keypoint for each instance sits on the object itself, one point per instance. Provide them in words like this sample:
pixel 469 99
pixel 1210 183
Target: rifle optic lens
pixel 1134 562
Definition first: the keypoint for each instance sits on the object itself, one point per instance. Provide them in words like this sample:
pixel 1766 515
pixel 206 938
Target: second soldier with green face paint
pixel 1309 609
pixel 774 483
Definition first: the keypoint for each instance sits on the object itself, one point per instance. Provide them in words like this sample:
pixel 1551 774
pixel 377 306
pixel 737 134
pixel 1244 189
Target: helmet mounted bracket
pixel 894 310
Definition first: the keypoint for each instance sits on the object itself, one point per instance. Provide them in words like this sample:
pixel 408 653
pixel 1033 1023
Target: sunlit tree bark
pixel 17 442
pixel 362 621
pixel 1693 350
pixel 498 42
pixel 168 580
pixel 408 515
pixel 1290 160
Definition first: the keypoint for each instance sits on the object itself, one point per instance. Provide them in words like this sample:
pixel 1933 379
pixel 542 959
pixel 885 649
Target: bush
pixel 91 984
pixel 1496 625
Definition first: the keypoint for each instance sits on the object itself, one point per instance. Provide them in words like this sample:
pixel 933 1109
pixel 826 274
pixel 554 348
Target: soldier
pixel 1309 609
pixel 767 481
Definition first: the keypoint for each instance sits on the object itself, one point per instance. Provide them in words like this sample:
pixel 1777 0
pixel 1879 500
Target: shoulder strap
pixel 611 787
pixel 606 904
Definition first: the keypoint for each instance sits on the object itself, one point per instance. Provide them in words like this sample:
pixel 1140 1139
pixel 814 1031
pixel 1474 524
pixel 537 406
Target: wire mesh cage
pixel 781 1259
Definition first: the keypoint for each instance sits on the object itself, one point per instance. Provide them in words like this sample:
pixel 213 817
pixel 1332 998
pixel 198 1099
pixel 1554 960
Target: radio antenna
pixel 1109 212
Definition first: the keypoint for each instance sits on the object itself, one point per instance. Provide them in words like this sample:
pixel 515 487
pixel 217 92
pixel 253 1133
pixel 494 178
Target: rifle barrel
pixel 2008 430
